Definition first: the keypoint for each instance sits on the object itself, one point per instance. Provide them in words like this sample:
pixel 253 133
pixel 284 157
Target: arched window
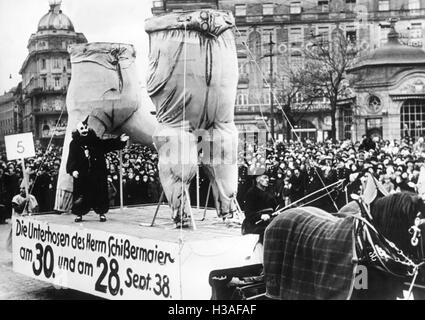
pixel 412 118
pixel 254 43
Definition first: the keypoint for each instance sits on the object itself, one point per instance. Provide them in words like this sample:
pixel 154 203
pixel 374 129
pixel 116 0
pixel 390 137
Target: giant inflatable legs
pixel 105 87
pixel 192 81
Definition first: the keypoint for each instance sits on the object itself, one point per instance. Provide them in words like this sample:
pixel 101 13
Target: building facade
pixel 9 114
pixel 46 73
pixel 390 91
pixel 286 28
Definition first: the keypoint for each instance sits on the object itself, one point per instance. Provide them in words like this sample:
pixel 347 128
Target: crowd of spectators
pixel 140 177
pixel 296 169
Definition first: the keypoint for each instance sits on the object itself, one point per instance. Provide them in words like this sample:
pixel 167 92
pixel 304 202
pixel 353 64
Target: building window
pixel 158 4
pixel 323 33
pixel 412 118
pixel 295 36
pixel 414 5
pixel 44 83
pixel 266 98
pixel 240 10
pixel 254 43
pixel 374 127
pixel 43 64
pixel 323 5
pixel 298 97
pixel 350 5
pixel 266 68
pixel 266 35
pixel 304 130
pixel 268 9
pixel 242 99
pixel 384 5
pixel 242 33
pixel 416 30
pixel 295 7
pixel 384 35
pixel 57 82
pixel 351 34
pixel 244 68
pixel 296 59
pixel 56 63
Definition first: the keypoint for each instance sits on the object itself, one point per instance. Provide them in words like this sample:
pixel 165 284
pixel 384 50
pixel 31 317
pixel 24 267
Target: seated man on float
pixel 259 207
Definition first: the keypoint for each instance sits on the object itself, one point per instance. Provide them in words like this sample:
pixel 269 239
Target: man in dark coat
pixel 298 185
pixel 41 189
pixel 259 207
pixel 3 197
pixel 86 163
pixel 11 185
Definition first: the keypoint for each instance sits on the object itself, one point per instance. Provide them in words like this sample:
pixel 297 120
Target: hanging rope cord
pixel 182 131
pixel 44 157
pixel 281 109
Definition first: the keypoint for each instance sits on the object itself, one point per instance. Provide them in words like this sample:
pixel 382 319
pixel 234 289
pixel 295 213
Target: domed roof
pixel 393 52
pixel 55 19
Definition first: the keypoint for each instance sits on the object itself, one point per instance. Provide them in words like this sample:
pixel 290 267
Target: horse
pixel 362 252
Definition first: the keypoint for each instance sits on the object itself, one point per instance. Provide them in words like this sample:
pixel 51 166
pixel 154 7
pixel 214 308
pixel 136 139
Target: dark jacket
pixel 87 156
pixel 257 200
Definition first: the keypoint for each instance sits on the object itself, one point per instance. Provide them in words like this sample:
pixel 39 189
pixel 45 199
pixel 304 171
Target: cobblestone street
pixel 14 286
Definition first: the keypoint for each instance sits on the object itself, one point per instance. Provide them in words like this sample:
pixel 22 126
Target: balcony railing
pixel 41 90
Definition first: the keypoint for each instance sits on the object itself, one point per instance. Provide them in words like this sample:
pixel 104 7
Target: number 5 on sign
pixel 19 146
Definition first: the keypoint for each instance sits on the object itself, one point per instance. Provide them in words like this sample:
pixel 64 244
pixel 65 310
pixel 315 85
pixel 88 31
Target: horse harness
pixel 374 249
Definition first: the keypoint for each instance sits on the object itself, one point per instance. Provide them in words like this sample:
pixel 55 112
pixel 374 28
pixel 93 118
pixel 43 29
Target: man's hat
pixel 86 121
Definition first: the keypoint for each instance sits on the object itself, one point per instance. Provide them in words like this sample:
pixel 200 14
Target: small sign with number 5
pixel 19 146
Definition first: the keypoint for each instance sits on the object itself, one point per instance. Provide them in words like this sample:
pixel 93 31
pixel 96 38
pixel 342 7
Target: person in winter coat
pixel 86 163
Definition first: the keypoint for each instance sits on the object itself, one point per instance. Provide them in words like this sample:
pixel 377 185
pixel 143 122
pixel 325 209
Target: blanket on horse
pixel 308 254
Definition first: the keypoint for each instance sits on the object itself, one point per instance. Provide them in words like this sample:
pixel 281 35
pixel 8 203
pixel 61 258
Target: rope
pixel 183 193
pixel 281 109
pixel 43 159
pixel 335 184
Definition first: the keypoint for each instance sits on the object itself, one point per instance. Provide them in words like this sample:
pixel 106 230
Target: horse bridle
pixel 416 233
pixel 382 253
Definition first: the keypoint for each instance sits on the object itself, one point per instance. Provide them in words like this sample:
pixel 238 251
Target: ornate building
pixel 46 73
pixel 9 115
pixel 390 91
pixel 290 25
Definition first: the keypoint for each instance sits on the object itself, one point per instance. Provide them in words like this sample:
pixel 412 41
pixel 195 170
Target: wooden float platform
pixel 127 258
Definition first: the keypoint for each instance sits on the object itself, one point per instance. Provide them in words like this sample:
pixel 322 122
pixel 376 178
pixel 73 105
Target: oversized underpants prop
pixel 105 87
pixel 192 81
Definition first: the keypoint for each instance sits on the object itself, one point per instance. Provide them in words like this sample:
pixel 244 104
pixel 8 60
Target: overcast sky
pixel 99 20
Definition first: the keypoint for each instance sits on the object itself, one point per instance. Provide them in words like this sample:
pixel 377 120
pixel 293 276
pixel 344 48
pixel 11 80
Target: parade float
pixel 139 253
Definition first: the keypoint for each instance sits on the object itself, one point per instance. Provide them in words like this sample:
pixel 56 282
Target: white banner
pixel 108 265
